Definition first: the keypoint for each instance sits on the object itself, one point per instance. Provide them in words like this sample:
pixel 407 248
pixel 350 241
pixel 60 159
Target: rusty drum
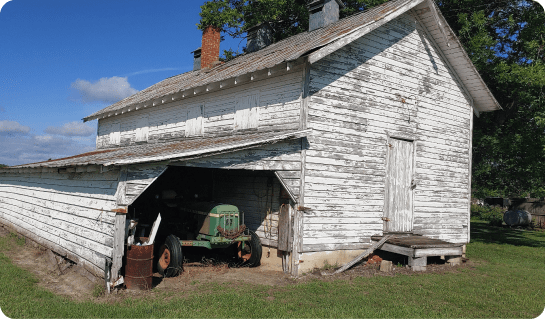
pixel 139 267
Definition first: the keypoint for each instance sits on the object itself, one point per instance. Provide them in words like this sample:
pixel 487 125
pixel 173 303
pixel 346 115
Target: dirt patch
pixel 198 276
pixel 34 258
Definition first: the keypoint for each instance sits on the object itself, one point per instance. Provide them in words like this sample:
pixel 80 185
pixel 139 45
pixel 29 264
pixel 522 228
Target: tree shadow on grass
pixel 482 232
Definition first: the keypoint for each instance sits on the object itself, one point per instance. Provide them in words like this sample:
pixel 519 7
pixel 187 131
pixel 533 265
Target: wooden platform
pixel 419 248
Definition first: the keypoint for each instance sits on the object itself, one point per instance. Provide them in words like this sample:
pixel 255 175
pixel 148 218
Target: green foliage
pixel 492 214
pixel 506 42
pixel 3 165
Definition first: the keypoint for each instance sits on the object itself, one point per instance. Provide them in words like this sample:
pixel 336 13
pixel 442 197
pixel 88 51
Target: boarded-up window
pixel 194 121
pixel 115 133
pixel 142 129
pixel 247 112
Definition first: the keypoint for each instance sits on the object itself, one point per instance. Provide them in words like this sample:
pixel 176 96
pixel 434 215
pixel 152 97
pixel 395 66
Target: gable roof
pixel 317 43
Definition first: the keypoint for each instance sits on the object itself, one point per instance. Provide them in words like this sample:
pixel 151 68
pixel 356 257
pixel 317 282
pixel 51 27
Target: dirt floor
pixel 68 280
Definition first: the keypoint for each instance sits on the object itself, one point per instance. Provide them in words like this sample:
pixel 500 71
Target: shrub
pixel 492 214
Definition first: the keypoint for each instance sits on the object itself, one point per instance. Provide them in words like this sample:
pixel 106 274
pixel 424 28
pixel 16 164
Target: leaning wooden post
pixel 364 254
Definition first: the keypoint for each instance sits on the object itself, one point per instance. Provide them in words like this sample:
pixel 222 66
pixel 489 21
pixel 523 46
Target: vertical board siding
pixel 391 81
pixel 257 196
pixel 70 212
pixel 398 205
pixel 277 108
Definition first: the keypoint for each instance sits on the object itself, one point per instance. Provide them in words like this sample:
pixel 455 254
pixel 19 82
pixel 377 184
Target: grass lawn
pixel 508 281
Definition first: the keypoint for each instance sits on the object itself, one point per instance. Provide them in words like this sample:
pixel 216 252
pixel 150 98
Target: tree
pixel 506 42
pixel 286 17
pixel 505 39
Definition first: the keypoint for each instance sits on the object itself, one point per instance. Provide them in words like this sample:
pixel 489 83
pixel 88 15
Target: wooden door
pixel 398 206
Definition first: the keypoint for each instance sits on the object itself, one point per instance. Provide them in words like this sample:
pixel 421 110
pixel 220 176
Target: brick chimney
pixel 210 49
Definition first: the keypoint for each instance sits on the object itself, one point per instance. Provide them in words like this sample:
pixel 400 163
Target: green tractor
pixel 212 226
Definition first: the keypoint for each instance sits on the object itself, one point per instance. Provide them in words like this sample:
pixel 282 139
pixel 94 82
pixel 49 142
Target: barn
pixel 357 128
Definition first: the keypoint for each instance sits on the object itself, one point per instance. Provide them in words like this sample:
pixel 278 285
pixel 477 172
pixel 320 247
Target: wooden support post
pixel 119 241
pixel 418 263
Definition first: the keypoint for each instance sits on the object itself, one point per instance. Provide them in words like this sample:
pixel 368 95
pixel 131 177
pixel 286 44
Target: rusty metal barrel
pixel 139 267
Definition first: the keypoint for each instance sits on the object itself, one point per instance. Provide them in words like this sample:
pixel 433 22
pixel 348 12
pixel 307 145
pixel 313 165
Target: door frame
pixel 409 138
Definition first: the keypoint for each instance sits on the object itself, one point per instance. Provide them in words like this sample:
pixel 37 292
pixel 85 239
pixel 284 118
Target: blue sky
pixel 62 60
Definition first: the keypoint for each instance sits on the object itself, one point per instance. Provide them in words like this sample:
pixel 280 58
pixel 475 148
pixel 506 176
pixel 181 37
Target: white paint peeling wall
pixel 68 213
pixel 357 96
pixel 277 100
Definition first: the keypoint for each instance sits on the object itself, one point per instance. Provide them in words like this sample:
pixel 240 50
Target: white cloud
pixel 12 127
pixel 108 90
pixel 18 150
pixel 71 129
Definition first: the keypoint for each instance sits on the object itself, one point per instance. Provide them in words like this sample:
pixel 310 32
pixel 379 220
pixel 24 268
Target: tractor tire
pixel 251 254
pixel 170 257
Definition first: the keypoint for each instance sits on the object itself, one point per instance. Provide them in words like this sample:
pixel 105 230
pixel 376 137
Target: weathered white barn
pixel 363 126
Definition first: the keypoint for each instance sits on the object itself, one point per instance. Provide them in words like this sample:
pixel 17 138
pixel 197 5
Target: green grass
pixel 508 281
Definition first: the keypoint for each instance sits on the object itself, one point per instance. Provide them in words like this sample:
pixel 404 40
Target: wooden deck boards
pixel 417 242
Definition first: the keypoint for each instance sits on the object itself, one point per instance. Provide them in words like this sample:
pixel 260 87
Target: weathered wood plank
pixel 102 223
pixel 63 198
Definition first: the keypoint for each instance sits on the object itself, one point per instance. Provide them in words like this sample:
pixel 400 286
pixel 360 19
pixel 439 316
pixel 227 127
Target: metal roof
pixel 180 150
pixel 289 49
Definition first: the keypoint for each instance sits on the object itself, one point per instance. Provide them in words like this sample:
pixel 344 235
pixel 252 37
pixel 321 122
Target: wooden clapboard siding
pixel 391 82
pixel 283 157
pixel 139 178
pixel 277 109
pixel 69 213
